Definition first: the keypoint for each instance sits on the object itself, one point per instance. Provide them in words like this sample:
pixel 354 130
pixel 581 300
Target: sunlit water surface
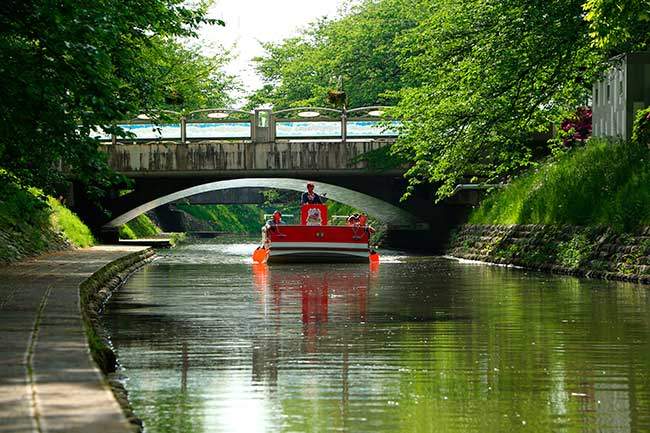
pixel 208 342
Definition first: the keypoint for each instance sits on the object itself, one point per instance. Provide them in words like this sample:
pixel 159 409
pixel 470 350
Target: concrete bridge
pixel 297 157
pixel 167 169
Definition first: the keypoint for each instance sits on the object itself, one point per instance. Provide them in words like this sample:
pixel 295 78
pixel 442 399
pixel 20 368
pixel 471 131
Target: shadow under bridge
pixel 394 217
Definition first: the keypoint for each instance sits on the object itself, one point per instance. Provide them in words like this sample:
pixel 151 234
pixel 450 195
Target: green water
pixel 209 343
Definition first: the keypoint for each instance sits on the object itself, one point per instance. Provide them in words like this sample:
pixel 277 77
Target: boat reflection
pixel 346 292
pixel 326 302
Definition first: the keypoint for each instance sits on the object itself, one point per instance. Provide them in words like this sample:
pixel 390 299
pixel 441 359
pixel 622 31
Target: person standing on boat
pixel 310 197
pixel 363 220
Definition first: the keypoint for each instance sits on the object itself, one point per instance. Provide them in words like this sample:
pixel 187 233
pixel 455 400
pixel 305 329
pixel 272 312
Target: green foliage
pixel 492 75
pixel 285 201
pixel 619 26
pixel 270 196
pixel 31 223
pixel 475 80
pixel 600 184
pixel 66 222
pixel 22 217
pixel 645 248
pixel 140 227
pixel 336 208
pixel 189 79
pixel 68 66
pixel 641 130
pixel 227 218
pixel 177 238
pixel 357 53
pixel 126 232
pixel 381 159
pixel 573 253
pixel 340 209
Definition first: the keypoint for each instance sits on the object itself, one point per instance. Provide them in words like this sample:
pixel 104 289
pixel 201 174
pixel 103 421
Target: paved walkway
pixel 48 382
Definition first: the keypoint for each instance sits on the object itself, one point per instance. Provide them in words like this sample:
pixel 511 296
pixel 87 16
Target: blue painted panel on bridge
pixel 358 128
pixel 172 131
pixel 169 131
pixel 308 129
pixel 371 128
pixel 219 130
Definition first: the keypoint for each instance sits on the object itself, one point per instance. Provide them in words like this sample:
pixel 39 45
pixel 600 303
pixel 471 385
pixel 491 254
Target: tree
pixel 475 80
pixel 188 79
pixel 356 53
pixel 67 66
pixel 492 73
pixel 619 26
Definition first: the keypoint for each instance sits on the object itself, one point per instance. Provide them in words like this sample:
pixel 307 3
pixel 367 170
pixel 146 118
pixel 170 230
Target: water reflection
pixel 343 295
pixel 211 344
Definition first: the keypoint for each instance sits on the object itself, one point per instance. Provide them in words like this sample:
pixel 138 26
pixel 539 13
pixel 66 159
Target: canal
pixel 207 342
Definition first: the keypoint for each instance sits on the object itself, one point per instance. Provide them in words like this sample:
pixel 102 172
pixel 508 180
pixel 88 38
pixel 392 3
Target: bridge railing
pixel 259 126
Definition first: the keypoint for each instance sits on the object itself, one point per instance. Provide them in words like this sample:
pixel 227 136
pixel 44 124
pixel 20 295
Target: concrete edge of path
pixel 94 293
pixel 49 308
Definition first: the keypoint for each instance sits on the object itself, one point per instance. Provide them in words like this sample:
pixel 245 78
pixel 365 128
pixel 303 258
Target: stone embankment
pixel 94 293
pixel 595 252
pixel 16 246
pixel 49 309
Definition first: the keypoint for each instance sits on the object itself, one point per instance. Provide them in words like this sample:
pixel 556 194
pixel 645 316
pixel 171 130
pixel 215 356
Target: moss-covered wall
pixel 597 252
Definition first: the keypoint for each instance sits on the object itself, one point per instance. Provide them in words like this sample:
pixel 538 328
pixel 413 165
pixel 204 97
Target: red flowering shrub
pixel 576 129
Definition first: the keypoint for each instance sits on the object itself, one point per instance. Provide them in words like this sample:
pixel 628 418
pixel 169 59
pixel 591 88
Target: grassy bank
pixel 601 184
pixel 32 224
pixel 140 227
pixel 68 223
pixel 243 218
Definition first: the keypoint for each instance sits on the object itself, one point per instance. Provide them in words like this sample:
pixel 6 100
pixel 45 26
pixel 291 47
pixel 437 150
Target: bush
pixel 641 128
pixel 576 129
pixel 573 253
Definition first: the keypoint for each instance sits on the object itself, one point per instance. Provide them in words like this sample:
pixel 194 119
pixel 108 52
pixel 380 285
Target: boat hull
pixel 316 257
pixel 324 244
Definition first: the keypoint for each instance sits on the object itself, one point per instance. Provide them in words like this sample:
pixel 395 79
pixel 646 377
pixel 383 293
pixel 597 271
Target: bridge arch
pixel 387 213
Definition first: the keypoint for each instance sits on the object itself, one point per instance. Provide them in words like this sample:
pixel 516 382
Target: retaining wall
pixel 94 293
pixel 596 252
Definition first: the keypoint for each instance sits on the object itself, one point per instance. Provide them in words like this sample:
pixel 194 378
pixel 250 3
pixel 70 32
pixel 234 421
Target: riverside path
pixel 48 381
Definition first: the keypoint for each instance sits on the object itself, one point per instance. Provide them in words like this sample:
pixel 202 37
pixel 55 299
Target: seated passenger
pixel 275 221
pixel 353 220
pixel 310 197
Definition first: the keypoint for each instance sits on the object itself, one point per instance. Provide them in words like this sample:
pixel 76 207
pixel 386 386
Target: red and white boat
pixel 314 240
